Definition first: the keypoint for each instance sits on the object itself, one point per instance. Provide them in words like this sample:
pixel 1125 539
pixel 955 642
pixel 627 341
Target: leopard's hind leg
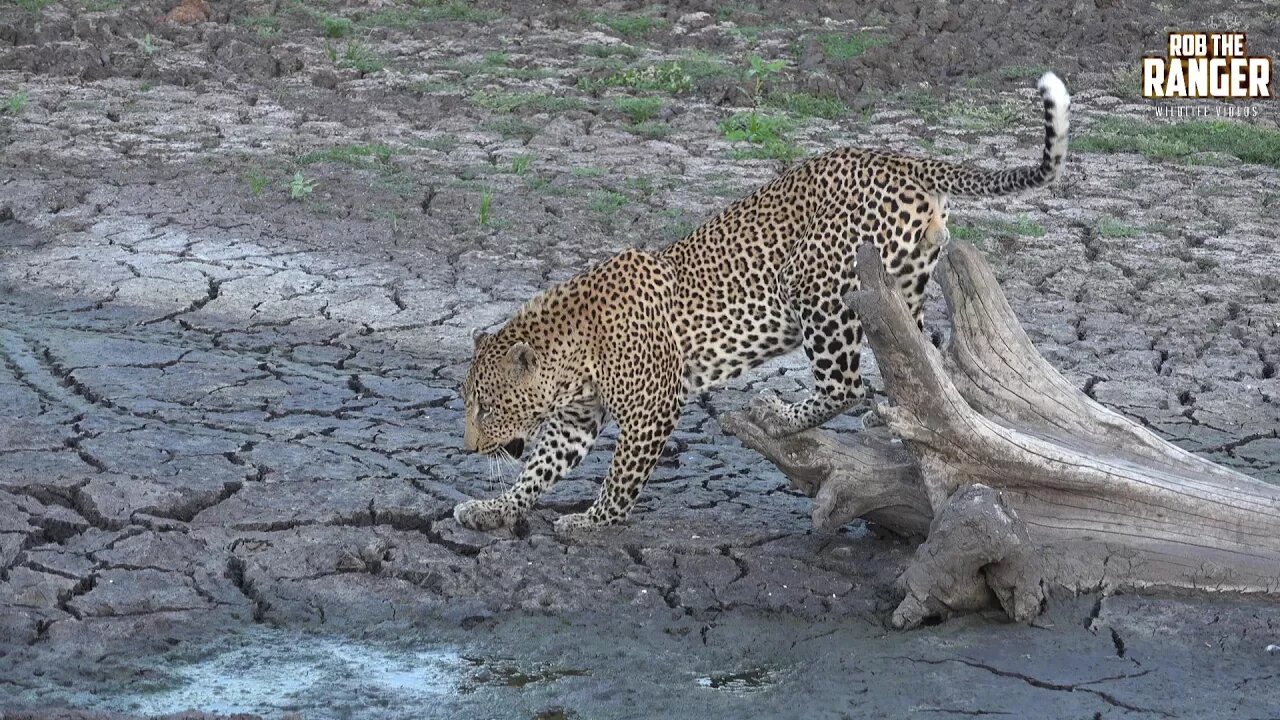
pixel 831 333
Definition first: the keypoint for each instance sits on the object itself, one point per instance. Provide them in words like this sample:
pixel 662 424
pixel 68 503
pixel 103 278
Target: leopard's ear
pixel 478 335
pixel 521 358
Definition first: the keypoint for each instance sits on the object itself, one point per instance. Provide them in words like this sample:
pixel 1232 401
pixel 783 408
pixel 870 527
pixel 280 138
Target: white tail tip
pixel 1051 86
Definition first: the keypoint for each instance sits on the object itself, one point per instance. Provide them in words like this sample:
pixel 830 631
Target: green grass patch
pixel 702 65
pixel 101 5
pixel 1022 225
pixel 770 150
pixel 807 105
pixel 1109 227
pixel 755 127
pixel 639 109
pixel 979 229
pixel 520 164
pixel 16 103
pixel 1179 140
pixel 263 25
pixel 966 233
pixel 441 143
pixel 767 133
pixel 652 130
pixel 665 77
pixel 360 57
pixel 608 202
pixel 627 25
pixel 336 27
pixel 587 172
pixel 361 156
pixel 526 102
pixel 839 46
pixel 495 69
pixel 966 113
pixel 256 180
pixel 510 127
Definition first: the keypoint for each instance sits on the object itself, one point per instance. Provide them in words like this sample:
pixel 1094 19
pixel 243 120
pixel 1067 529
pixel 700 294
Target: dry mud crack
pixel 231 440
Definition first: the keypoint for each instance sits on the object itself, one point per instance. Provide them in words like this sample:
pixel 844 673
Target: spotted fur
pixel 632 337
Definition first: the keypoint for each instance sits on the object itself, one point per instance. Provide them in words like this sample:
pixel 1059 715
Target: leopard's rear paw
pixel 578 522
pixel 484 514
pixel 769 412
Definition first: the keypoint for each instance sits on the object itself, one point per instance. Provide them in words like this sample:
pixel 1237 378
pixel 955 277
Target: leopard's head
pixel 507 395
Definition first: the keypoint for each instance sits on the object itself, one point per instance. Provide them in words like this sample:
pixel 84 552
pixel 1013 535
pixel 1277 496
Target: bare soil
pixel 233 436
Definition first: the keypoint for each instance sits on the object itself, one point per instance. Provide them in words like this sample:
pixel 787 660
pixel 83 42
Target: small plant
pixel 754 127
pixel 520 164
pixel 148 44
pixel 532 102
pixel 263 25
pixel 639 109
pixel 608 202
pixel 363 156
pixel 641 184
pixel 667 77
pixel 359 57
pixel 761 71
pixel 486 205
pixel 16 102
pixel 625 25
pixel 846 47
pixel 440 143
pixel 510 127
pixel 806 105
pixel 300 186
pixel 966 232
pixel 336 27
pixel 767 133
pixel 101 5
pixel 496 59
pixel 653 130
pixel 1109 227
pixel 257 181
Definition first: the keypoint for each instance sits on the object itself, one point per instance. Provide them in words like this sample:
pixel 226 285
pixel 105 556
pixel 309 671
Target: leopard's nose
pixel 515 448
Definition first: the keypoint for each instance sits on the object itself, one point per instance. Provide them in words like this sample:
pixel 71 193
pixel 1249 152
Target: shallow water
pixel 268 671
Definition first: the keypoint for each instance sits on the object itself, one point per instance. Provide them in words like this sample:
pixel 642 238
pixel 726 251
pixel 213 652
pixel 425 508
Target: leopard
pixel 632 338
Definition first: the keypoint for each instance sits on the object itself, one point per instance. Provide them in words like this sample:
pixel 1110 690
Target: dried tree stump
pixel 1104 503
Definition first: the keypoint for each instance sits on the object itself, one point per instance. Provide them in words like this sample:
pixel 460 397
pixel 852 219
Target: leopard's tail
pixel 951 179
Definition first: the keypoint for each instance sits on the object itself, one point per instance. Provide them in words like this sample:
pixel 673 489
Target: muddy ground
pixel 239 264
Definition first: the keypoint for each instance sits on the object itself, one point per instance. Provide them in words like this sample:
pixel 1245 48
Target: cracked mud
pixel 232 433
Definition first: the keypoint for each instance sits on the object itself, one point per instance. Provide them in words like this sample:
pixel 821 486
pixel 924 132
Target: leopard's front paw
pixel 484 514
pixel 769 412
pixel 576 523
